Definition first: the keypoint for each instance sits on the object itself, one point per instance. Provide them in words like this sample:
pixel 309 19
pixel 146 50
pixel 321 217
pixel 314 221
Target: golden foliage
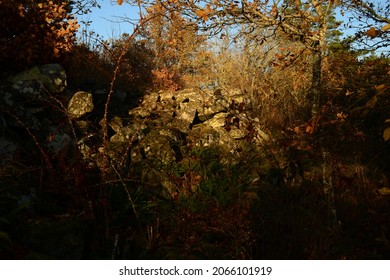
pixel 177 46
pixel 35 32
pixel 204 13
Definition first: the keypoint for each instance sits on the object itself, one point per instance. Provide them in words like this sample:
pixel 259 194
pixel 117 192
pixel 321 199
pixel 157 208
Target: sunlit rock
pixel 80 104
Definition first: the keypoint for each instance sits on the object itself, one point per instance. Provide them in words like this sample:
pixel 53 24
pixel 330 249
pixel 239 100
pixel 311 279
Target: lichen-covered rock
pixel 80 104
pixel 56 82
pixel 49 77
pixel 218 120
pixel 158 148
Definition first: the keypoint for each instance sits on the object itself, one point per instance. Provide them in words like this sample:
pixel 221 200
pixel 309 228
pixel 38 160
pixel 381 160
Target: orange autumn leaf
pixel 204 13
pixel 372 32
pixel 120 2
pixel 309 129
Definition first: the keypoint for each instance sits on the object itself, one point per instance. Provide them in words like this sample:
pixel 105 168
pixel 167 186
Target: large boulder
pixel 32 116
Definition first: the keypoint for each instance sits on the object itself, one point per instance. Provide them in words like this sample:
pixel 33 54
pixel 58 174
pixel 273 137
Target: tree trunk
pixel 316 94
pixel 327 166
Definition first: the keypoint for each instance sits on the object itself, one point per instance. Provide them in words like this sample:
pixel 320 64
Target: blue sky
pixel 107 21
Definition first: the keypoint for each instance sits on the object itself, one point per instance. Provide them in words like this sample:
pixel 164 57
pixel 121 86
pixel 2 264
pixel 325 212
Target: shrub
pixel 34 32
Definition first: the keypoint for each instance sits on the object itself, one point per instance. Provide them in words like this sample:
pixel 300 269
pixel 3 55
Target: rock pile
pixel 161 129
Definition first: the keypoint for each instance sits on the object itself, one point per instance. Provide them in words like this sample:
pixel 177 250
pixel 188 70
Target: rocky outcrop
pixel 159 131
pixel 167 124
